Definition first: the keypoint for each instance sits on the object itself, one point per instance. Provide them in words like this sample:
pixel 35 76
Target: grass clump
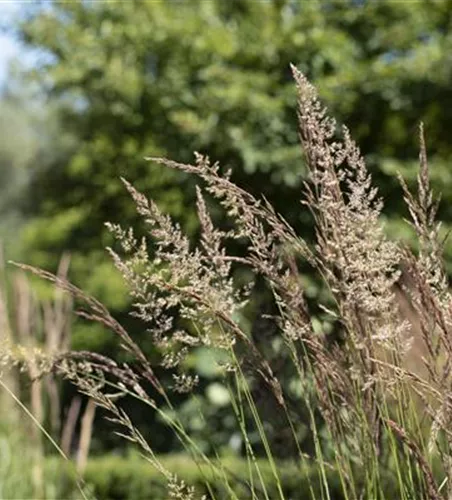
pixel 376 425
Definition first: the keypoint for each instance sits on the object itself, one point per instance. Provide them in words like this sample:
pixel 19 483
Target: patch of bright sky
pixel 9 47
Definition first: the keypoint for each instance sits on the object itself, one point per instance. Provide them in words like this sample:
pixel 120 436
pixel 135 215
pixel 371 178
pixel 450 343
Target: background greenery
pixel 113 82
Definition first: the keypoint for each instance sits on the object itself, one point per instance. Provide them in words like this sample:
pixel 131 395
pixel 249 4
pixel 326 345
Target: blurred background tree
pixel 169 78
pixel 121 81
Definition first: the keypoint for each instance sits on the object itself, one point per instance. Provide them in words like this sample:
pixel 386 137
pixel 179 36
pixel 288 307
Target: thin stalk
pixel 251 457
pixel 46 434
pixel 260 428
pixel 181 433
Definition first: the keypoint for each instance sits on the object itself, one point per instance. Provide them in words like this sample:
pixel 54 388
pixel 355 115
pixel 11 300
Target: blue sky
pixel 9 48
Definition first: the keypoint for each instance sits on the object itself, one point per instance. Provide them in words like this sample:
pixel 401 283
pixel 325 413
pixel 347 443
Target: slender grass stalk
pixel 251 457
pixel 46 434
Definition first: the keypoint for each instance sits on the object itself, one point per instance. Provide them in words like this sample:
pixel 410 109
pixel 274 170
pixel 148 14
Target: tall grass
pixel 385 429
pixel 30 394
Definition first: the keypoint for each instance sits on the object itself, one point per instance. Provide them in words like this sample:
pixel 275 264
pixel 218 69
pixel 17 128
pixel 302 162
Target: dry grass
pixel 363 385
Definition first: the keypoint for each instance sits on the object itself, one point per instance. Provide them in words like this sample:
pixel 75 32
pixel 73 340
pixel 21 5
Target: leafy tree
pixel 29 136
pixel 148 78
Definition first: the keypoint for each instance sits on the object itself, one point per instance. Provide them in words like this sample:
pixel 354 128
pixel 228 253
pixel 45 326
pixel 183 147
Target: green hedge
pixel 112 477
pixel 132 478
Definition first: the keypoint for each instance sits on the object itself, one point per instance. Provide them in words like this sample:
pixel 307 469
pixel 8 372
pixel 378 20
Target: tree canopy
pixel 168 78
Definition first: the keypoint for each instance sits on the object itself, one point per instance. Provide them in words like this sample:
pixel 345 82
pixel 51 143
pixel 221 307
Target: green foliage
pixel 27 137
pixel 120 478
pixel 17 462
pixel 169 78
pixel 131 477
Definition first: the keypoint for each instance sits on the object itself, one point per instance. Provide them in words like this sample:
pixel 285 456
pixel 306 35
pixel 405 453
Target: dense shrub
pixel 131 478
